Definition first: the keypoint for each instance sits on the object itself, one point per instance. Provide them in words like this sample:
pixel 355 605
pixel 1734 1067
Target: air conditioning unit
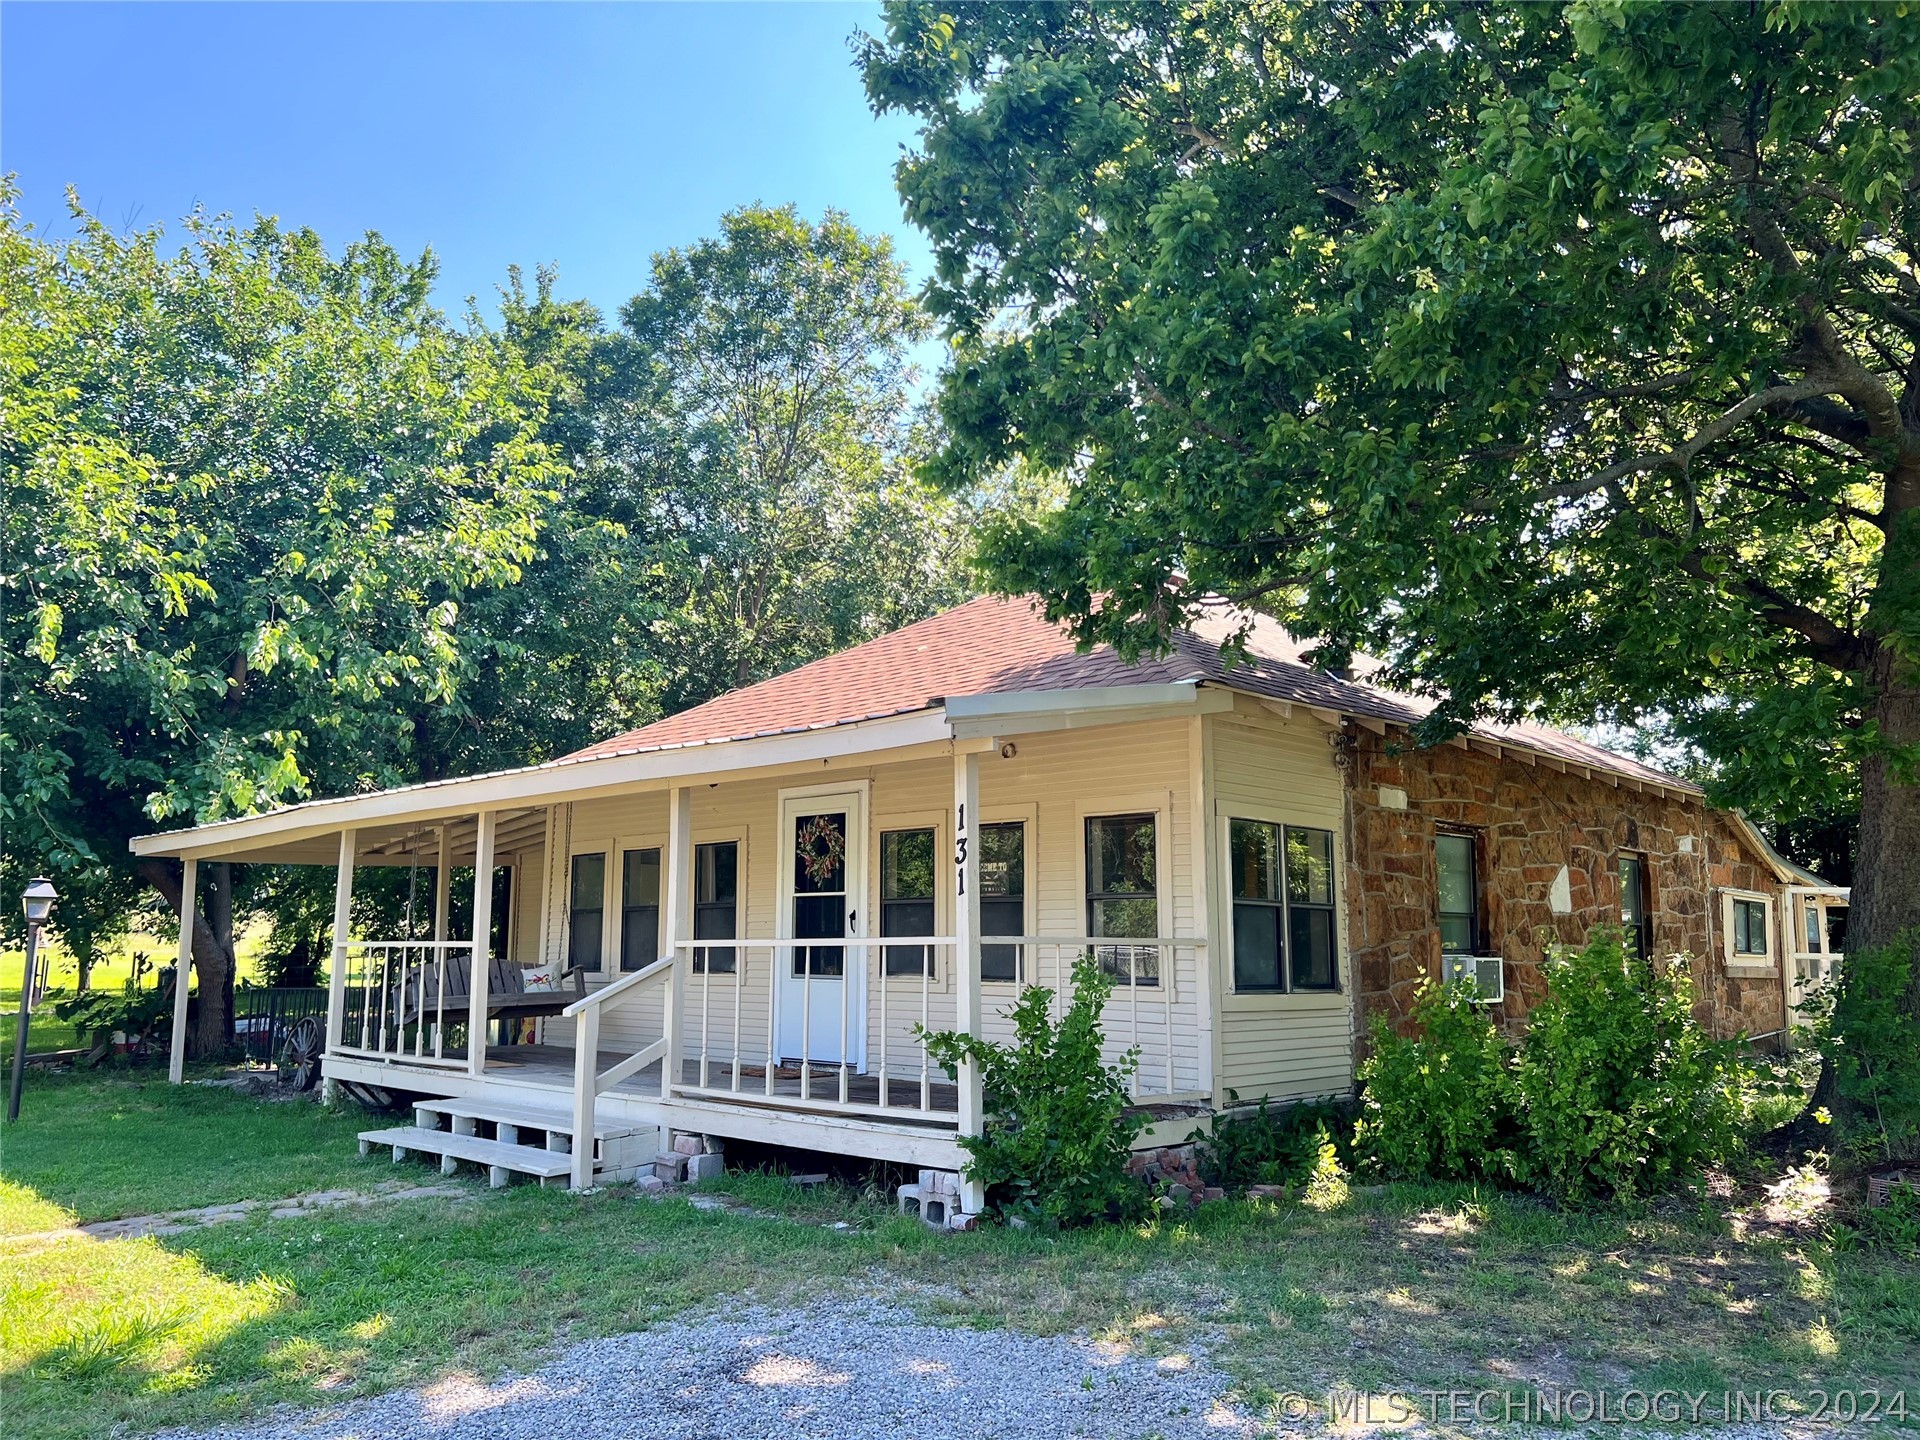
pixel 1488 973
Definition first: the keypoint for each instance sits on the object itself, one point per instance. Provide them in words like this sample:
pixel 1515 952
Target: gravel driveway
pixel 843 1370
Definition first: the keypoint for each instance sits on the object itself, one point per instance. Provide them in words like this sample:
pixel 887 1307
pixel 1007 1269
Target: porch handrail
pixel 607 994
pixel 590 1082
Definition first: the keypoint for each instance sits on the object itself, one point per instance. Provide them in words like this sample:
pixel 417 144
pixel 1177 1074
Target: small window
pixel 906 897
pixel 639 908
pixel 1459 895
pixel 1003 896
pixel 1750 927
pixel 1123 894
pixel 716 905
pixel 1636 913
pixel 586 910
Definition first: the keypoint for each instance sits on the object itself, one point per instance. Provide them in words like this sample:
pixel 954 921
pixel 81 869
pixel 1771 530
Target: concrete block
pixel 670 1167
pixel 706 1167
pixel 685 1143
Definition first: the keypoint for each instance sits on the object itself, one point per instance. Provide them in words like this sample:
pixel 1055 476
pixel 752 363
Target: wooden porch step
pixel 526 1114
pixel 500 1158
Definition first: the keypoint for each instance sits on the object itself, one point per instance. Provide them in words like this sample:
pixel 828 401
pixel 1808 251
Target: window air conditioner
pixel 1488 973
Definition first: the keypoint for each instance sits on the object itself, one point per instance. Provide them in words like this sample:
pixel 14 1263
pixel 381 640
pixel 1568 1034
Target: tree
pixel 756 421
pixel 1568 356
pixel 252 491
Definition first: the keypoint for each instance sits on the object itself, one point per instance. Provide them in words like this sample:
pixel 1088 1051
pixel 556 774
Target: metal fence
pixel 262 1016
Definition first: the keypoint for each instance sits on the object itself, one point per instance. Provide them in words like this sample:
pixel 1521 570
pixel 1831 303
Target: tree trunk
pixel 212 959
pixel 1886 888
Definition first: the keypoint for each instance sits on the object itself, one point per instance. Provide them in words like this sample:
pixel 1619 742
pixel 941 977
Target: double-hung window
pixel 639 908
pixel 1459 894
pixel 1283 921
pixel 906 897
pixel 716 905
pixel 1750 928
pixel 1003 896
pixel 586 911
pixel 1123 894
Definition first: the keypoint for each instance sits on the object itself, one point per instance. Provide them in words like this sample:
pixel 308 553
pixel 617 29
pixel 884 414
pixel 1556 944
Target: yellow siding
pixel 1263 766
pixel 1054 782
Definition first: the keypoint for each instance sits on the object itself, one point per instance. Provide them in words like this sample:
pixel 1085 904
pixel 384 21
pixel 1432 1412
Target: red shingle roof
pixel 995 646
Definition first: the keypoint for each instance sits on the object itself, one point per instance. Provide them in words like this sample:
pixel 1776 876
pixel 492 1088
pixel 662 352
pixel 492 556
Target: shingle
pixel 995 646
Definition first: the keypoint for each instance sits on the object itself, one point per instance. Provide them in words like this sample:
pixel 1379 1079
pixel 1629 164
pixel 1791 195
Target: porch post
pixel 482 935
pixel 337 976
pixel 966 950
pixel 679 883
pixel 182 972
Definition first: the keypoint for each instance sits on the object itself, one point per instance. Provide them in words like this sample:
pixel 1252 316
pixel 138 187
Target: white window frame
pixel 609 911
pixel 1226 810
pixel 737 836
pixel 1027 817
pixel 1158 804
pixel 617 906
pixel 941 824
pixel 1753 963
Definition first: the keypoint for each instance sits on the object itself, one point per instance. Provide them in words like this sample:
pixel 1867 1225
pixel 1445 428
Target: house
pixel 731 923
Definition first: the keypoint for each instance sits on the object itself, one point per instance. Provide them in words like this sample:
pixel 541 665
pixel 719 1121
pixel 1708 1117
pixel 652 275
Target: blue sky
pixel 585 136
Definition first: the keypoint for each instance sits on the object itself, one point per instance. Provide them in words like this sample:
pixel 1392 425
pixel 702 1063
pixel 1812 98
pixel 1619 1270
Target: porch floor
pixel 552 1066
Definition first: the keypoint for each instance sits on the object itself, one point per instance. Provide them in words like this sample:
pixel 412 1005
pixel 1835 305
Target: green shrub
pixel 1279 1145
pixel 1057 1132
pixel 1873 1043
pixel 1434 1104
pixel 1618 1090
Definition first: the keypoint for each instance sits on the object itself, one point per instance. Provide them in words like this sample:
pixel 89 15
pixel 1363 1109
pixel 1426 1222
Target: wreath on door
pixel 820 846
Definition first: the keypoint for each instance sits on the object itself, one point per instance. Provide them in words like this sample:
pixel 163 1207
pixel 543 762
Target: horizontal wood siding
pixel 1265 766
pixel 1054 782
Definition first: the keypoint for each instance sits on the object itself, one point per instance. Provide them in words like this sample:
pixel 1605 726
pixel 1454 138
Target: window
pixel 1123 894
pixel 1003 896
pixel 1283 929
pixel 1310 909
pixel 1750 927
pixel 906 897
pixel 639 908
pixel 1459 895
pixel 820 892
pixel 586 909
pixel 1636 913
pixel 716 904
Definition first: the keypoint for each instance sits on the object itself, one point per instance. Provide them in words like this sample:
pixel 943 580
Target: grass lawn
pixel 1405 1288
pixel 111 971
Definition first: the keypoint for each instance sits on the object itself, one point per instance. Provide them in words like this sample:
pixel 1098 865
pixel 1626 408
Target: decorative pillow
pixel 540 981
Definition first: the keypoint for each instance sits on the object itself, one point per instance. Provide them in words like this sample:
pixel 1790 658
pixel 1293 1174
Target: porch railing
pixel 407 1000
pixel 733 1032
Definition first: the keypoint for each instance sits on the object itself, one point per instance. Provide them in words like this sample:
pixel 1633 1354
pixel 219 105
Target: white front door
pixel 821 988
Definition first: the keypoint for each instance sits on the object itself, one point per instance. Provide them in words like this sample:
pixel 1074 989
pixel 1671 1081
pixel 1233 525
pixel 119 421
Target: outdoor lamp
pixel 38 903
pixel 38 900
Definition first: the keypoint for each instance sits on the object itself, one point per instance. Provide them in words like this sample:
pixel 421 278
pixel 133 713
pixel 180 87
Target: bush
pixel 1057 1132
pixel 1434 1104
pixel 1284 1145
pixel 1618 1090
pixel 1873 1043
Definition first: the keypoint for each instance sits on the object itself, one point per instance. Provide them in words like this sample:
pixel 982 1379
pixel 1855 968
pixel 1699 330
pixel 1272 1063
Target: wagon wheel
pixel 300 1053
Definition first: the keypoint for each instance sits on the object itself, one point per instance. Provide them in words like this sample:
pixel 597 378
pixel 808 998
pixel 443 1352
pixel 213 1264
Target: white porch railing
pixel 401 1000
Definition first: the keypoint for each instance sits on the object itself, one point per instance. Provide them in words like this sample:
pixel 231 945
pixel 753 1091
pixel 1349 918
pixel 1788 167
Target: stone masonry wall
pixel 1528 822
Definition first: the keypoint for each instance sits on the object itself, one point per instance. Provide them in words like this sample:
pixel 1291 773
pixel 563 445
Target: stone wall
pixel 1528 821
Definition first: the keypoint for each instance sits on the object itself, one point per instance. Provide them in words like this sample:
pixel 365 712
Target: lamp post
pixel 38 902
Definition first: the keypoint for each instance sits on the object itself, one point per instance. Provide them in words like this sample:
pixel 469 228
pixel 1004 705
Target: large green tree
pixel 1568 355
pixel 251 491
pixel 756 414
